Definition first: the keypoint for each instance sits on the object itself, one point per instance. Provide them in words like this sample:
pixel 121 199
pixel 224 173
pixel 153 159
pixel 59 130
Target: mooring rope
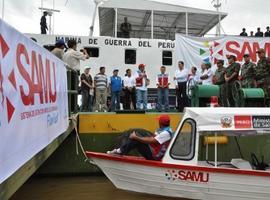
pixel 74 119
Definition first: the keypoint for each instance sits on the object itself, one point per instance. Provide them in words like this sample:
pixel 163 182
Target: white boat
pixel 182 174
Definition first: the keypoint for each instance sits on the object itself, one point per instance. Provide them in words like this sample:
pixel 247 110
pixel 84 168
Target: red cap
pixel 164 120
pixel 141 65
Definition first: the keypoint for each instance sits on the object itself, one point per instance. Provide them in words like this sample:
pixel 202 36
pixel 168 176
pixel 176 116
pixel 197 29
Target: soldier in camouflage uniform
pixel 262 72
pixel 230 76
pixel 219 80
pixel 247 73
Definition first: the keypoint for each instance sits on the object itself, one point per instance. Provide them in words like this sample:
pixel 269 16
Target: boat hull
pixel 183 181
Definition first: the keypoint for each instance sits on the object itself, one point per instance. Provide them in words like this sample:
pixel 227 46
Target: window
pixel 92 51
pixel 167 58
pixel 130 56
pixel 184 146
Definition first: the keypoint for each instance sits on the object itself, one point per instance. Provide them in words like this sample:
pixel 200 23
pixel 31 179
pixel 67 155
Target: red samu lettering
pixel 41 80
pixel 193 176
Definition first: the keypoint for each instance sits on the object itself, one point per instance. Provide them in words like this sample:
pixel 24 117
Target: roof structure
pixel 168 19
pixel 241 121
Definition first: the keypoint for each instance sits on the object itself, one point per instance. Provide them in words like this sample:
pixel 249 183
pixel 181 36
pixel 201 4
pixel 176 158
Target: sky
pixel 75 16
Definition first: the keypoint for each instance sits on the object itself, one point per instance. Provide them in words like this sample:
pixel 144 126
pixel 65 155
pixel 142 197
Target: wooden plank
pixel 13 183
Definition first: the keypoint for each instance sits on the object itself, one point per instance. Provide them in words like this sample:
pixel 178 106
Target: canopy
pixel 168 19
pixel 239 120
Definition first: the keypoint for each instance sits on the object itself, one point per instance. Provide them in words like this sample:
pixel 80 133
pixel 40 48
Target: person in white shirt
pixel 129 90
pixel 207 74
pixel 72 57
pixel 142 82
pixel 181 77
pixel 193 80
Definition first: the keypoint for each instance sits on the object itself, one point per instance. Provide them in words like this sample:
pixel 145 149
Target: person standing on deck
pixel 101 90
pixel 244 33
pixel 58 51
pixel 230 76
pixel 181 77
pixel 86 86
pixel 142 82
pixel 247 73
pixel 129 90
pixel 116 88
pixel 259 33
pixel 262 72
pixel 125 28
pixel 267 33
pixel 207 74
pixel 43 23
pixel 163 90
pixel 218 79
pixel 72 57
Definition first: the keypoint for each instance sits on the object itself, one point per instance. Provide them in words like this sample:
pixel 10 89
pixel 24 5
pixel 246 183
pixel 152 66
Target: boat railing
pixel 72 86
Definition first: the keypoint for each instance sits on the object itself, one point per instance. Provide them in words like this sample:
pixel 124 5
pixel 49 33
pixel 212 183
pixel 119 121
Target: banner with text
pixel 33 99
pixel 196 50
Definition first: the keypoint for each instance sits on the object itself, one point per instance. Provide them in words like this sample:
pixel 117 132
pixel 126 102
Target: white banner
pixel 33 99
pixel 196 50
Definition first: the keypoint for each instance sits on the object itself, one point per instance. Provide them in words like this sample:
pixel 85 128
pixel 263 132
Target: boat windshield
pixel 183 147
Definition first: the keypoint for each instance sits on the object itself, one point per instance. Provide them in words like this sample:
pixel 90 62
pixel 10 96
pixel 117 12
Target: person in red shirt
pixel 163 90
pixel 150 147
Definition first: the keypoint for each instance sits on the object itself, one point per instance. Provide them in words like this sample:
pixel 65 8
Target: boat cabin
pixel 222 137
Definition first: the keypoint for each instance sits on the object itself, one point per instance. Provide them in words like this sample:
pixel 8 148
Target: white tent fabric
pixel 168 18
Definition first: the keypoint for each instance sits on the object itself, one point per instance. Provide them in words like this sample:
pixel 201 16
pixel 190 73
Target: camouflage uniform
pixel 230 86
pixel 220 80
pixel 262 75
pixel 247 74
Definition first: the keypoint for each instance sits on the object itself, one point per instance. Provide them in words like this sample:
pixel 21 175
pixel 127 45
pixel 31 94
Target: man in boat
pixel 150 147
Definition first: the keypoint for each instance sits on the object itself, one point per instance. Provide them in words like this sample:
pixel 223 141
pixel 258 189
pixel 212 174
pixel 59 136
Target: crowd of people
pixel 259 33
pixel 132 89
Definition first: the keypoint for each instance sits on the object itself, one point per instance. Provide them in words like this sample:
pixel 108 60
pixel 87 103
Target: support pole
pixel 3 9
pixel 186 23
pixel 115 22
pixel 152 24
pixel 216 153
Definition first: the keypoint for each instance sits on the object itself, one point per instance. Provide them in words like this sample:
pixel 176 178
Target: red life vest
pixel 163 79
pixel 139 80
pixel 159 150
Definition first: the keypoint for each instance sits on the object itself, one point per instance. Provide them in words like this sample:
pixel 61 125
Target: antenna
pixel 97 4
pixel 217 5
